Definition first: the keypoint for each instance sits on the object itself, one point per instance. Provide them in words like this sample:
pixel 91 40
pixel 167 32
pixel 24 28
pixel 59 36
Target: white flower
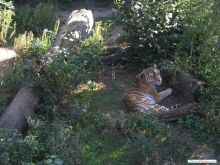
pixel 138 6
pixel 168 17
pixel 154 31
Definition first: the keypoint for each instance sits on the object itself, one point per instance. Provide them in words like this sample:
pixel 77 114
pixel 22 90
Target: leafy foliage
pixel 198 49
pixel 24 64
pixel 69 69
pixel 36 18
pixel 204 130
pixel 150 26
pixel 15 149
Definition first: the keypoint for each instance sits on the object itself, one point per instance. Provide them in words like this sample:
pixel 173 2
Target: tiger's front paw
pixel 169 91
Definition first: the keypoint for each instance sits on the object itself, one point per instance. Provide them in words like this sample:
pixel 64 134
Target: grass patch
pixel 97 148
pixel 98 100
pixel 201 130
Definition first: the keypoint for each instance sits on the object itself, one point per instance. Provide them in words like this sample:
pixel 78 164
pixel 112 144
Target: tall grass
pixel 27 42
pixel 24 41
pixel 37 18
pixel 7 26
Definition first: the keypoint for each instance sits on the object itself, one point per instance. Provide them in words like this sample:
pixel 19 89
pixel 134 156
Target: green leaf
pixel 49 161
pixel 58 161
pixel 53 156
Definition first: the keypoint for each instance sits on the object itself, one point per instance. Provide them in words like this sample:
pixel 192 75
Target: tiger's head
pixel 150 76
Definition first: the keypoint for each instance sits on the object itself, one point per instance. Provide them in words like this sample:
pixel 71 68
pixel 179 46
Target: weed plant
pixel 7 26
pixel 37 18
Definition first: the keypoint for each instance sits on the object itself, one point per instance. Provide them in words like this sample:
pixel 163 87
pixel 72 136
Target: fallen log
pixel 167 116
pixel 22 106
pixel 113 58
pixel 185 83
pixel 177 113
pixel 78 26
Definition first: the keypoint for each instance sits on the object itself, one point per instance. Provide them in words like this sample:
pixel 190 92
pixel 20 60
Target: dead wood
pixel 168 116
pixel 116 57
pixel 177 113
pixel 20 108
pixel 184 83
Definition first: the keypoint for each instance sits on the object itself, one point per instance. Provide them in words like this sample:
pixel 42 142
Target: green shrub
pixel 15 149
pixel 198 48
pixel 37 18
pixel 144 134
pixel 150 26
pixel 31 49
pixel 69 69
pixel 16 75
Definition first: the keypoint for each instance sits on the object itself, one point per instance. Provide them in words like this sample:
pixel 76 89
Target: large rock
pixel 6 54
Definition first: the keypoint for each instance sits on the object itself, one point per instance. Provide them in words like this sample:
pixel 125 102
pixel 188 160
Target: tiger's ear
pixel 155 66
pixel 140 75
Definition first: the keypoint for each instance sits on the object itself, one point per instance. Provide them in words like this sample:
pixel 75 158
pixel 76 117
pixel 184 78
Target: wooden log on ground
pixel 177 113
pixel 186 84
pixel 168 116
pixel 77 28
pixel 115 57
pixel 20 108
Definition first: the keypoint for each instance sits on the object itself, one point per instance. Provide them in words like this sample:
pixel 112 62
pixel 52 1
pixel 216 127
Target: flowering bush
pixel 151 25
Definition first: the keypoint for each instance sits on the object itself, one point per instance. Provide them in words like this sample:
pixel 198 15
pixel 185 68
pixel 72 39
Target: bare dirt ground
pixel 3 68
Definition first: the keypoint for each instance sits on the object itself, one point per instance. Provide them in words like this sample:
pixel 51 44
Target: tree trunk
pixel 78 26
pixel 20 108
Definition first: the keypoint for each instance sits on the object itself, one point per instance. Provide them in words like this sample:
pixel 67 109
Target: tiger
pixel 144 95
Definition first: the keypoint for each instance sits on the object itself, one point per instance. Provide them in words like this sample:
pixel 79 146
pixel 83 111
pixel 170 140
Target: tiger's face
pixel 151 75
